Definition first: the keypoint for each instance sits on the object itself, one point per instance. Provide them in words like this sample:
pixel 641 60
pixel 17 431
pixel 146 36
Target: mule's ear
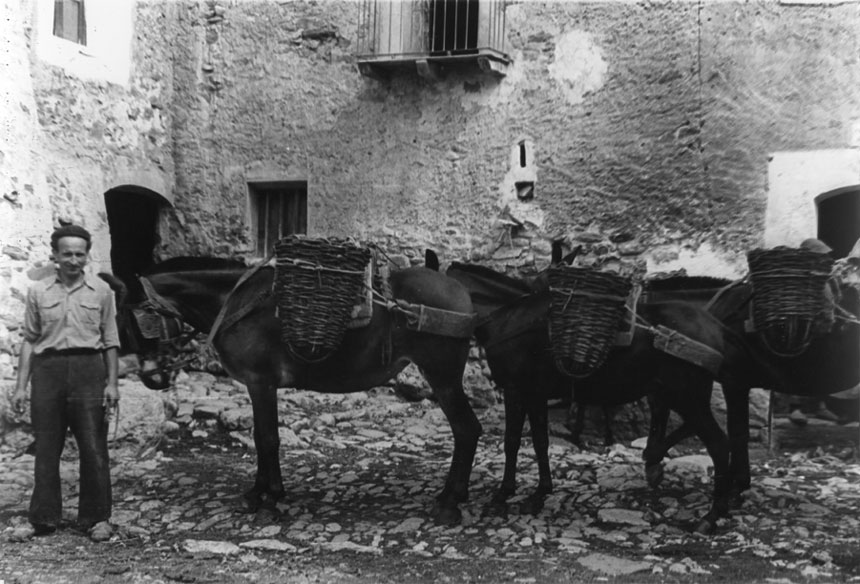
pixel 855 251
pixel 556 252
pixel 568 259
pixel 431 260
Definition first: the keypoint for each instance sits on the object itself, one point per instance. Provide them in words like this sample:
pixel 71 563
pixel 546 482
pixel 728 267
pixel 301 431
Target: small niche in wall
pixel 523 170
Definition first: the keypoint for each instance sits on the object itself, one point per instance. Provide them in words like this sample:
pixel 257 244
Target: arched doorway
pixel 133 216
pixel 839 218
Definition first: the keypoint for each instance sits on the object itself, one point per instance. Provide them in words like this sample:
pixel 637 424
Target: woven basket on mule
pixel 586 309
pixel 789 296
pixel 317 283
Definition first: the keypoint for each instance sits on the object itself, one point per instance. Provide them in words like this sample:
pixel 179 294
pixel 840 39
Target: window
pixel 87 39
pixel 278 209
pixel 70 21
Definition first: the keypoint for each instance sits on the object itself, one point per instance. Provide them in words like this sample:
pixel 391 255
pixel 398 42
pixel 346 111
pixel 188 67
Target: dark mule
pixel 252 351
pixel 696 290
pixel 829 365
pixel 516 341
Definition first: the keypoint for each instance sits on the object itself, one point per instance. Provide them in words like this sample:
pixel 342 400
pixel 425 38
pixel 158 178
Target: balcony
pixel 430 36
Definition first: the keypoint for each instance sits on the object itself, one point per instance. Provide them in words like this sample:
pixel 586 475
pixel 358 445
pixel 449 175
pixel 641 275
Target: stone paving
pixel 361 471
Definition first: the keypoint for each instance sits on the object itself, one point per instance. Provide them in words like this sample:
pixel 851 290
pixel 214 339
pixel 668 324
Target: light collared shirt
pixel 58 318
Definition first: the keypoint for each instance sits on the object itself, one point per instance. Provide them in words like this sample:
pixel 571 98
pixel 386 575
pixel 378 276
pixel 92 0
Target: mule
pixel 829 365
pixel 252 351
pixel 697 290
pixel 516 341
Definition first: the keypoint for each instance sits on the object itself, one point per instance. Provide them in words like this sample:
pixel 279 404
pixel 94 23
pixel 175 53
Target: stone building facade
pixel 678 134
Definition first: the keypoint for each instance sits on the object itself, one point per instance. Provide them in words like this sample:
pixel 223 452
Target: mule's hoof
pixel 448 516
pixel 532 505
pixel 496 509
pixel 265 515
pixel 654 474
pixel 736 501
pixel 250 504
pixel 706 527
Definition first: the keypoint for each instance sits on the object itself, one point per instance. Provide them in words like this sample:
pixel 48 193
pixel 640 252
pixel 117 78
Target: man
pixel 70 355
pixel 800 407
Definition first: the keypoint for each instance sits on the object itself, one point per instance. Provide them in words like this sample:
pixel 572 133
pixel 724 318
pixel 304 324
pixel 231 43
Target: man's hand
pixel 111 399
pixel 18 399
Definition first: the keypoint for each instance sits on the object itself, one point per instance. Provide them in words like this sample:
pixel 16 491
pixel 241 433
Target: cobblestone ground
pixel 361 471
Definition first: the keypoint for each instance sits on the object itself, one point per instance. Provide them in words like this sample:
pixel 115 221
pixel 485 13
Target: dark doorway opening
pixel 132 214
pixel 839 219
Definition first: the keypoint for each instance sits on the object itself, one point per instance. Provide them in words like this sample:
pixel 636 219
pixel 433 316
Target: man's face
pixel 71 256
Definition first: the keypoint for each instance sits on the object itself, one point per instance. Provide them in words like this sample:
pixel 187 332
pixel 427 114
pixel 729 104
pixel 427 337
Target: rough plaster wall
pixel 65 141
pixel 651 123
pixel 794 180
pixel 24 205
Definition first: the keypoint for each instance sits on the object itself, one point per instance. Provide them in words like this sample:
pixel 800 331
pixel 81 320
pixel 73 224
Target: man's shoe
pixel 822 413
pixel 798 418
pixel 43 529
pixel 101 531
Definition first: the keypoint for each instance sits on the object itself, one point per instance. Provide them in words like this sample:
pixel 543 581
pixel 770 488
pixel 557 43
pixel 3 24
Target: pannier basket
pixel 317 284
pixel 586 309
pixel 789 296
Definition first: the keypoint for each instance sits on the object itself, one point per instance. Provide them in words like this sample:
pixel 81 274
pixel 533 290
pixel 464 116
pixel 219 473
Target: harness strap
pixel 625 338
pixel 159 304
pixel 222 313
pixel 679 345
pixel 245 309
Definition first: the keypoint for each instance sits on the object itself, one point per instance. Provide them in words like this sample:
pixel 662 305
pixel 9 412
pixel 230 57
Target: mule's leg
pixel 268 486
pixel 608 416
pixel 717 443
pixel 448 388
pixel 656 449
pixel 539 420
pixel 694 405
pixel 576 421
pixel 737 421
pixel 515 415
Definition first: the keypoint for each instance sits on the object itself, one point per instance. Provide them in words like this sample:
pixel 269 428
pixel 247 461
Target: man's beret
pixel 70 231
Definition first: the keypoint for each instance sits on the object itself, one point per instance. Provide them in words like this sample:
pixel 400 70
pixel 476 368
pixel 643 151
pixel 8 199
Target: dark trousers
pixel 67 392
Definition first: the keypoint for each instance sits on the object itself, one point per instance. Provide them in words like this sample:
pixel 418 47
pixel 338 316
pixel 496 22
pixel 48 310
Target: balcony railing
pixel 431 33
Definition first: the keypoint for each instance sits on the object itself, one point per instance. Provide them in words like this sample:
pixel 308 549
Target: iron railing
pixel 404 30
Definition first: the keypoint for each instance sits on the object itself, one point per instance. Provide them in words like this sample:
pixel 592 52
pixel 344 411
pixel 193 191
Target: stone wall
pixel 650 124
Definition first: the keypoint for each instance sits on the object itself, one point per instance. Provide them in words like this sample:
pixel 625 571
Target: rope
pixel 306 265
pixel 571 293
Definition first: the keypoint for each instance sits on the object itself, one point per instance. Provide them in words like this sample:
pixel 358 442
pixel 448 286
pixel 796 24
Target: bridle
pixel 166 346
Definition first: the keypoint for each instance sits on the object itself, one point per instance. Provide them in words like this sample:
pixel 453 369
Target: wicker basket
pixel 317 283
pixel 789 286
pixel 585 312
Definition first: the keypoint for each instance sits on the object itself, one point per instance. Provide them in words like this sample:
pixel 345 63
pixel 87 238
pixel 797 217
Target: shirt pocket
pixel 90 313
pixel 50 311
